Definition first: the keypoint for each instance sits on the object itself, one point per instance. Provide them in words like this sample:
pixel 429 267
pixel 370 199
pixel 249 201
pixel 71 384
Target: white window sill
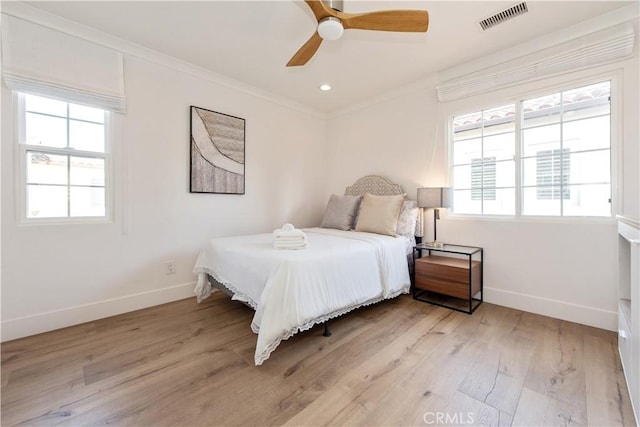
pixel 533 219
pixel 65 221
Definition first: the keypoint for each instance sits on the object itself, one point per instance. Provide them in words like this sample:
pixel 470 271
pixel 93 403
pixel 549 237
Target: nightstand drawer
pixel 445 287
pixel 447 268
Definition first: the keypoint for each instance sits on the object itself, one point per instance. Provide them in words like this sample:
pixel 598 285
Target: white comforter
pixel 293 290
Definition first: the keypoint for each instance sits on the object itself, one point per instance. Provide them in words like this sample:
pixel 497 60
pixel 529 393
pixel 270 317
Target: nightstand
pixel 450 276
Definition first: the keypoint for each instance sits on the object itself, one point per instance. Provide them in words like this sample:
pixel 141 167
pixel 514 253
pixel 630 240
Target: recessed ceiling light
pixel 325 87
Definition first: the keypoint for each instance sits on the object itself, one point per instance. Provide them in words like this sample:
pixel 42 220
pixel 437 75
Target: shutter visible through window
pixel 552 172
pixel 483 179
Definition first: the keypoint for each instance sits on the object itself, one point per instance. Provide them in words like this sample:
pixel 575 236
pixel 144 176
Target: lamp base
pixel 435 244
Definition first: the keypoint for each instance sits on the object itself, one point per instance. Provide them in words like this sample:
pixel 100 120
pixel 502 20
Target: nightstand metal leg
pixel 470 284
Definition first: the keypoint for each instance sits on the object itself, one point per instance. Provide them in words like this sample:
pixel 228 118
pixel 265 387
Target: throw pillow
pixel 379 214
pixel 408 218
pixel 340 212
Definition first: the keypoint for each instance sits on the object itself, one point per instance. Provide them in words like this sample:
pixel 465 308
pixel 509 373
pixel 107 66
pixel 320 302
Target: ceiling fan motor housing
pixel 335 4
pixel 330 28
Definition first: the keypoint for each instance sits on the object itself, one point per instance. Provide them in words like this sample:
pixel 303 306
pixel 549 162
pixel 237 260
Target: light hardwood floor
pixel 400 362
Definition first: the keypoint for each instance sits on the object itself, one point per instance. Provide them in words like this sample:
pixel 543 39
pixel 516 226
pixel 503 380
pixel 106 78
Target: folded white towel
pixel 288 230
pixel 288 237
pixel 289 246
pixel 288 227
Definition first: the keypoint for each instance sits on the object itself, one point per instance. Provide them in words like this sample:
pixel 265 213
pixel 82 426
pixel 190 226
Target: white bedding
pixel 293 290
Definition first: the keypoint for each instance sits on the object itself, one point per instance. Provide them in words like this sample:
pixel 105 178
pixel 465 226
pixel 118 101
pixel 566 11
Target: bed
pixel 293 290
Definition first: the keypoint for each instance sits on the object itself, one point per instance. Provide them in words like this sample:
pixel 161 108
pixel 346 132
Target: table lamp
pixel 434 198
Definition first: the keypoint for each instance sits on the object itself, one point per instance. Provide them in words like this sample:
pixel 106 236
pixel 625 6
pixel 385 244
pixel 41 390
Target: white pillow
pixel 408 218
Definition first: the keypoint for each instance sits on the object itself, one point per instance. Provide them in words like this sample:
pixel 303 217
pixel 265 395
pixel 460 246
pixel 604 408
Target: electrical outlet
pixel 170 267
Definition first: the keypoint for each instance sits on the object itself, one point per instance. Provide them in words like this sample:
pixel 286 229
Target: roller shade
pixel 598 48
pixel 47 62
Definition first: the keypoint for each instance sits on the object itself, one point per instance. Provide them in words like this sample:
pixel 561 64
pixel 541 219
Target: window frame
pixel 21 150
pixel 518 93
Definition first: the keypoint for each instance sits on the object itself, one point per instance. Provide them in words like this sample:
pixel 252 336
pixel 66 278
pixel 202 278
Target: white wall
pixel 58 275
pixel 55 276
pixel 392 137
pixel 629 174
pixel 557 267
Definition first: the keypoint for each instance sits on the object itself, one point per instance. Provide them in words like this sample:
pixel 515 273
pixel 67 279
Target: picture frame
pixel 217 152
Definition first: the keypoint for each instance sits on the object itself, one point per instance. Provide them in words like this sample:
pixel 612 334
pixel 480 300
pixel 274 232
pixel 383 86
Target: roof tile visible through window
pixel 573 98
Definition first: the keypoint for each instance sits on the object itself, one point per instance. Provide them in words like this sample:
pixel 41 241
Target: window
pixel 547 155
pixel 64 160
pixel 483 161
pixel 566 150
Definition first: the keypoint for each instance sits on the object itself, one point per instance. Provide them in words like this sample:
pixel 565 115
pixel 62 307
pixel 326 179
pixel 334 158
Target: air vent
pixel 505 15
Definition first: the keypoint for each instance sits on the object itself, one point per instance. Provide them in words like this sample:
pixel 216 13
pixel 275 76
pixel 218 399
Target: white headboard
pixel 373 184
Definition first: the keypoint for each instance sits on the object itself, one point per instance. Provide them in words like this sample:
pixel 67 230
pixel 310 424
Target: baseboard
pixel 49 321
pixel 582 314
pixel 43 322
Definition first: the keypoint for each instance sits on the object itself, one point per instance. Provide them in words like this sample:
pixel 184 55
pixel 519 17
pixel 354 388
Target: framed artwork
pixel 217 152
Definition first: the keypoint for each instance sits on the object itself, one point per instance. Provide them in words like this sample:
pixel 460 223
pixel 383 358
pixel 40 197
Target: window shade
pixel 46 62
pixel 602 47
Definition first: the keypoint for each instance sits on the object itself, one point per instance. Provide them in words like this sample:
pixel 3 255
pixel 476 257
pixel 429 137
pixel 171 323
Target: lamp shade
pixel 434 197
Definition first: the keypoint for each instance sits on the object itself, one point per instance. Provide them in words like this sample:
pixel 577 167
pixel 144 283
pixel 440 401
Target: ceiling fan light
pixel 330 28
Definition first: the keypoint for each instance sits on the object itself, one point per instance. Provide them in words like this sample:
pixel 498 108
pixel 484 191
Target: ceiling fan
pixel 332 22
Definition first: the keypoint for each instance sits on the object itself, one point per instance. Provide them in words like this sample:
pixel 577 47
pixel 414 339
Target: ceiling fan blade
pixel 320 10
pixel 388 20
pixel 304 54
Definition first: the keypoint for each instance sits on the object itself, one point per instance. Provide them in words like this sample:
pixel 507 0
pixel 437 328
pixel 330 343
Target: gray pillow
pixel 340 212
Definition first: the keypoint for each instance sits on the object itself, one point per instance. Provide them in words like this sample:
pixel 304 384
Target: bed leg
pixel 326 333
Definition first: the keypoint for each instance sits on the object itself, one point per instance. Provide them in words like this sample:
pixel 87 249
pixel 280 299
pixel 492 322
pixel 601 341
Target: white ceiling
pixel 252 41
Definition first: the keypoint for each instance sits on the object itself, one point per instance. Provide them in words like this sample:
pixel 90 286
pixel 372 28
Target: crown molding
pixel 55 22
pixel 612 45
pixel 584 28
